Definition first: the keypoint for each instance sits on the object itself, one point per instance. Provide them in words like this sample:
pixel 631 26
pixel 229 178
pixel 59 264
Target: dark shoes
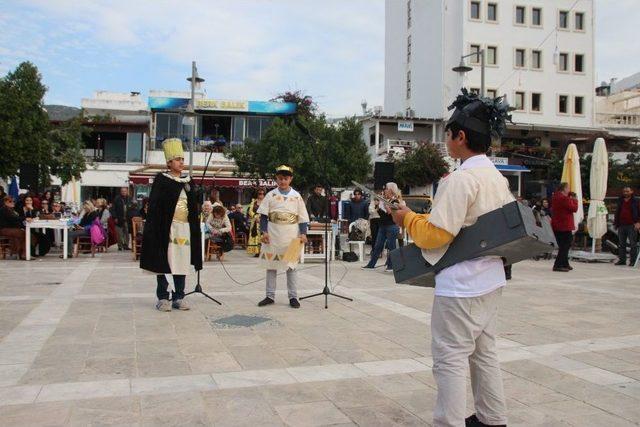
pixel 265 301
pixel 562 269
pixel 473 421
pixel 621 263
pixel 293 302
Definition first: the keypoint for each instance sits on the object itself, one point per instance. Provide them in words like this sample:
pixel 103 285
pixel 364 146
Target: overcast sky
pixel 245 49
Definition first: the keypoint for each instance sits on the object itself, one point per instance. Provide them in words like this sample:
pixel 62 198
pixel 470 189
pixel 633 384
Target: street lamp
pixel 195 80
pixel 463 68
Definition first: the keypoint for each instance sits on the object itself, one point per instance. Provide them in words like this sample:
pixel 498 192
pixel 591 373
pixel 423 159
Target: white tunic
pixel 474 189
pixel 281 235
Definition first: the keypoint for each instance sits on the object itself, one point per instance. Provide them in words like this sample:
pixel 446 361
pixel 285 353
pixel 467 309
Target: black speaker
pixel 382 173
pixel 28 177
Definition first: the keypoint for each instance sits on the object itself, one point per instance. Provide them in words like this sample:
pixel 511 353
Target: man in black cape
pixel 171 237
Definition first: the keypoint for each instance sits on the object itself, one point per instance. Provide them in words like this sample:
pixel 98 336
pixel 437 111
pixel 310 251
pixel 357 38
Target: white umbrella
pixel 597 215
pixel 571 175
pixel 71 193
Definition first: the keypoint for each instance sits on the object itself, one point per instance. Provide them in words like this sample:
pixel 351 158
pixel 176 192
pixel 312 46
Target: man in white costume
pixel 284 222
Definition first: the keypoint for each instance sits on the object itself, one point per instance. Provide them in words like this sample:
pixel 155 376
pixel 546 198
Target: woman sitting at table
pixel 219 226
pixel 27 211
pixel 12 227
pixel 88 214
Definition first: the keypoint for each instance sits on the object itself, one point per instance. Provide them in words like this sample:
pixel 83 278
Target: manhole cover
pixel 242 321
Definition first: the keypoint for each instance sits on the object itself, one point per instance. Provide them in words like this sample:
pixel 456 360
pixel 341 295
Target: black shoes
pixel 562 269
pixel 265 301
pixel 293 302
pixel 473 421
pixel 621 263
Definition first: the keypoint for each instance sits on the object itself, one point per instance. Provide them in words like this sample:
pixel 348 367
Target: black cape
pixel 155 236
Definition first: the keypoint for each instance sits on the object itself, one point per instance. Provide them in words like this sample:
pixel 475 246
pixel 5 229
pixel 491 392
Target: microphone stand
pixel 198 288
pixel 326 291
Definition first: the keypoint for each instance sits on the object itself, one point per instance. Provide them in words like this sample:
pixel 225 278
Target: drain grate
pixel 242 321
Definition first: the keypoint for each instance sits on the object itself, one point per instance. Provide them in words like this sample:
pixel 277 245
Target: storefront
pixel 229 190
pixel 513 173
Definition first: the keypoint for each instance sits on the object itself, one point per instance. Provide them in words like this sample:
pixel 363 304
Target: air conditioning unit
pixel 410 113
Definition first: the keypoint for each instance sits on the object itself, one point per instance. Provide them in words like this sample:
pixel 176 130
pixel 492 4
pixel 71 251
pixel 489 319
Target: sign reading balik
pixel 221 105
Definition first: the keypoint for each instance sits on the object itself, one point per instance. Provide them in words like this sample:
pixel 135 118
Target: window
pixel 134 147
pixel 492 55
pixel 578 105
pixel 536 102
pixel 563 19
pixel 475 10
pixel 474 48
pixel 563 64
pixel 536 17
pixel 167 126
pixel 492 12
pixel 521 15
pixel 409 48
pixel 409 84
pixel 520 58
pixel 536 59
pixel 257 127
pixel 408 13
pixel 519 101
pixel 578 63
pixel 563 101
pixel 238 129
pixel 492 93
pixel 579 21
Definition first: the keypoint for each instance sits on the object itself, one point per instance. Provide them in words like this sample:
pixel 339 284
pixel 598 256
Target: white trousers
pixel 463 332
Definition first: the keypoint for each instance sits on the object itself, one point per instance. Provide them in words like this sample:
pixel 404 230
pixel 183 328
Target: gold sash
pixel 283 218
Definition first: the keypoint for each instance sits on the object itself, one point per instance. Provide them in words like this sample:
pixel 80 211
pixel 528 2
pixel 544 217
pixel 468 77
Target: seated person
pixel 219 227
pixel 239 220
pixel 88 214
pixel 12 227
pixel 28 211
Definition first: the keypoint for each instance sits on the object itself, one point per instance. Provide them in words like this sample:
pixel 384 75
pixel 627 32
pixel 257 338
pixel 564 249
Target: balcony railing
pixel 621 120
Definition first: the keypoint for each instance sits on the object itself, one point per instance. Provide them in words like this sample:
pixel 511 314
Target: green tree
pixel 338 148
pixel 24 123
pixel 68 161
pixel 26 136
pixel 421 166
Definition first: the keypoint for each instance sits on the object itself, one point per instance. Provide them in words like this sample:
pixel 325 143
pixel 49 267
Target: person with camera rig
pixel 464 315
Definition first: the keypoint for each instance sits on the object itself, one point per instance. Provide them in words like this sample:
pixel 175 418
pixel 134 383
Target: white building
pixel 539 53
pixel 116 144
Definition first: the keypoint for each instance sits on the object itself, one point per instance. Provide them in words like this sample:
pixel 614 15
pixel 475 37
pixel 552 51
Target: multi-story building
pixel 538 53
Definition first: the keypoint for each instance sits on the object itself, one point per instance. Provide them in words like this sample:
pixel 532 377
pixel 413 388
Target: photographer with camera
pixel 563 205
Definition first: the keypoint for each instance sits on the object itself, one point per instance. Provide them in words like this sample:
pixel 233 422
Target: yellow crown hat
pixel 284 170
pixel 172 149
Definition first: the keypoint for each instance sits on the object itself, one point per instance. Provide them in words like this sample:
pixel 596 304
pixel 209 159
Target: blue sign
pixel 256 107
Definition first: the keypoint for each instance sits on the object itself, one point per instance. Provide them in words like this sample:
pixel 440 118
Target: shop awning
pixel 232 182
pixel 512 168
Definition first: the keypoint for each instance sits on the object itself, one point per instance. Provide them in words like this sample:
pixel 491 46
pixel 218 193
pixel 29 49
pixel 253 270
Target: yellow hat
pixel 284 170
pixel 172 149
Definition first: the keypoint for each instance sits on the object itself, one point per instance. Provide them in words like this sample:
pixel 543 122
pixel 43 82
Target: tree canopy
pixel 420 167
pixel 339 149
pixel 26 136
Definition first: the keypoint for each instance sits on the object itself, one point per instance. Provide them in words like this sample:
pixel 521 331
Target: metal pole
pixel 193 115
pixel 482 67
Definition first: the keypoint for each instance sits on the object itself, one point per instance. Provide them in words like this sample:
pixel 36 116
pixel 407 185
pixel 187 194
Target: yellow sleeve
pixel 424 234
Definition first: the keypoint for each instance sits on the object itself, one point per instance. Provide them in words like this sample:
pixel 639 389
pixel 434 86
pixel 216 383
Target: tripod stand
pixel 198 288
pixel 326 291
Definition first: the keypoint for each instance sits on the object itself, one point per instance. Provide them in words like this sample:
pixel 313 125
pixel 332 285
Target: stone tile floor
pixel 81 344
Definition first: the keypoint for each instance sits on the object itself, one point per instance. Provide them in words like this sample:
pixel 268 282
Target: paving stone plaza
pixel 81 344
